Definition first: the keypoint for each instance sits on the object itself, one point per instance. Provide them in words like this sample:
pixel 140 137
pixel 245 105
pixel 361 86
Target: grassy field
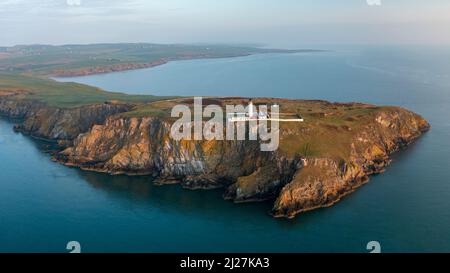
pixel 328 129
pixel 63 95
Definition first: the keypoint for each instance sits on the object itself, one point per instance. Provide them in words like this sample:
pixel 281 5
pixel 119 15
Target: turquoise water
pixel 43 205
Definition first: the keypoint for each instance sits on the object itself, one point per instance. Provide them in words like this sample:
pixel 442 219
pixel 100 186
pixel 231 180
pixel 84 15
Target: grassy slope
pixel 63 94
pixel 328 128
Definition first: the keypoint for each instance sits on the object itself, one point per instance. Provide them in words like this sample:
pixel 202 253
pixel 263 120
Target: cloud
pixel 74 2
pixel 44 10
pixel 71 21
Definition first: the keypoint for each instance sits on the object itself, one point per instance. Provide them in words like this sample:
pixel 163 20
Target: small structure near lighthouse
pixel 260 114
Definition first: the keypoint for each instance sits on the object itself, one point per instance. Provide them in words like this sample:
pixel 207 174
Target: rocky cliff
pixel 52 123
pixel 144 146
pixel 319 161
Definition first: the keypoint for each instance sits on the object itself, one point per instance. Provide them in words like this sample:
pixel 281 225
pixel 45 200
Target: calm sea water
pixel 43 205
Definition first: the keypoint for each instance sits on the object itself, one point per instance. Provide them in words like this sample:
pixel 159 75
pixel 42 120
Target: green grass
pixel 146 111
pixel 328 130
pixel 65 95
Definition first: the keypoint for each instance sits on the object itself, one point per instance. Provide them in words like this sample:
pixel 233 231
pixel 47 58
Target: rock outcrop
pixel 54 123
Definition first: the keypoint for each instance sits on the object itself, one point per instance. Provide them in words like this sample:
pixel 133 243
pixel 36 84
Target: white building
pixel 254 114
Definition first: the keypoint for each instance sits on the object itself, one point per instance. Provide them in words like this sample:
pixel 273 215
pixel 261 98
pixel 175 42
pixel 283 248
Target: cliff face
pixel 18 109
pixel 319 161
pixel 144 146
pixel 54 123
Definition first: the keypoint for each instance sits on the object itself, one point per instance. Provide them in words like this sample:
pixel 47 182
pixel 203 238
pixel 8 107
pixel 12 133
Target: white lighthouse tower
pixel 251 109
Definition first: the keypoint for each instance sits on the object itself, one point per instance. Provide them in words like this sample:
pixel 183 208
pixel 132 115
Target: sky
pixel 283 23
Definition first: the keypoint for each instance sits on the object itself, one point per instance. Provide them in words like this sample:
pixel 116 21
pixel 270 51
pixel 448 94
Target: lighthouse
pixel 251 109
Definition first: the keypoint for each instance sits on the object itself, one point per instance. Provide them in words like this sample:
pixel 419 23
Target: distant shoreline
pixel 137 66
pixel 90 59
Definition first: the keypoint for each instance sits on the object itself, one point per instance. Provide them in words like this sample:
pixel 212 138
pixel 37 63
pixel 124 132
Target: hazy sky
pixel 273 22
